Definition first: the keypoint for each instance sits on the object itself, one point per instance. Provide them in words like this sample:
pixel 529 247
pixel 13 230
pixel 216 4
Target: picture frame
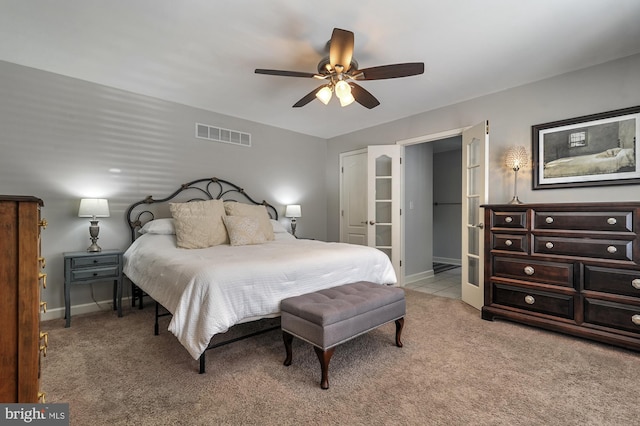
pixel 592 150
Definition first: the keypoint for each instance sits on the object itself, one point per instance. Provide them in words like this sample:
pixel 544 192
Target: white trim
pixel 433 136
pixel 413 278
pixel 87 308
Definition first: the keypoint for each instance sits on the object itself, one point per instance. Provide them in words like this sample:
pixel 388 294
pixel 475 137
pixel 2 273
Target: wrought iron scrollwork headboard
pixel 145 210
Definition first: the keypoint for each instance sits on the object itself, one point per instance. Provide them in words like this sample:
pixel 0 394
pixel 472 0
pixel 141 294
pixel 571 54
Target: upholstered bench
pixel 327 318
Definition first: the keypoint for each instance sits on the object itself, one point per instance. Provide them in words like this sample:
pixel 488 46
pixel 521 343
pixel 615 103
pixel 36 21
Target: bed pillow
pixel 158 226
pixel 244 230
pixel 278 228
pixel 258 212
pixel 199 224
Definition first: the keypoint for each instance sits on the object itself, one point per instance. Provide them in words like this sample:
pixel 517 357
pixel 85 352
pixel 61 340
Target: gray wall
pixel 447 215
pixel 61 136
pixel 418 208
pixel 511 113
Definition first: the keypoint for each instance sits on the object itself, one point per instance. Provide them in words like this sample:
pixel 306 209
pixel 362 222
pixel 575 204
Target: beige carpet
pixel 454 369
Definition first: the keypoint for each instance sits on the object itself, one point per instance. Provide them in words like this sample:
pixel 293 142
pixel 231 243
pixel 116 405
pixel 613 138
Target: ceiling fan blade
pixel 285 73
pixel 363 97
pixel 307 98
pixel 341 49
pixel 390 71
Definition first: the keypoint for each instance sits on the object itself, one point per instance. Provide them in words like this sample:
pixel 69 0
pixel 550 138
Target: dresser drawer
pixel 609 280
pixel 555 273
pixel 610 314
pixel 584 247
pixel 515 243
pixel 584 221
pixel 87 261
pixel 509 219
pixel 560 305
pixel 95 273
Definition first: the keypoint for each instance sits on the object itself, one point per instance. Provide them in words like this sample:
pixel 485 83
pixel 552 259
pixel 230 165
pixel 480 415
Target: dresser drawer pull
pixel 43 223
pixel 549 245
pixel 529 300
pixel 43 262
pixel 508 219
pixel 41 397
pixel 635 319
pixel 612 221
pixel 549 219
pixel 43 306
pixel 529 270
pixel 612 249
pixel 43 349
pixel 508 243
pixel 636 283
pixel 42 276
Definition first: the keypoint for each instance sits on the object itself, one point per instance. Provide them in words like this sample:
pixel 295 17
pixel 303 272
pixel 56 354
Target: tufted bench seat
pixel 329 317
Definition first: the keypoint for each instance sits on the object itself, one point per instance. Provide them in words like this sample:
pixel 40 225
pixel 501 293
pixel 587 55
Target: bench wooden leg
pixel 288 339
pixel 324 356
pixel 399 325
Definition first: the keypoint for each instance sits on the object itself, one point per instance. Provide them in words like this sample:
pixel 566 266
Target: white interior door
pixel 475 146
pixel 384 202
pixel 353 198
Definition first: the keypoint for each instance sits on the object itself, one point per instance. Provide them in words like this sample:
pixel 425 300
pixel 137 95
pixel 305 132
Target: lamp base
pixel 515 200
pixel 94 247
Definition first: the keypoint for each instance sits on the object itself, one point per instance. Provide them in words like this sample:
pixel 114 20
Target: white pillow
pixel 278 228
pixel 199 224
pixel 259 212
pixel 244 230
pixel 158 226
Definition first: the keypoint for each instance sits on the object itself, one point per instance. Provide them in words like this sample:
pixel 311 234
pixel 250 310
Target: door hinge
pixel 401 263
pixel 487 126
pixel 342 213
pixel 400 212
pixel 341 169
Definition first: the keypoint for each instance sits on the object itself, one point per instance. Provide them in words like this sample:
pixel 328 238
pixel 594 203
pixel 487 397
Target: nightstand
pixel 82 267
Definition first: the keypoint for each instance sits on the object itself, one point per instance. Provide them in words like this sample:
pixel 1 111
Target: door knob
pixel 371 222
pixel 480 225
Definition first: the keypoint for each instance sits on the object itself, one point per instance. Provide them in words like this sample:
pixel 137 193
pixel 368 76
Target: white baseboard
pixel 408 279
pixel 102 305
pixel 447 260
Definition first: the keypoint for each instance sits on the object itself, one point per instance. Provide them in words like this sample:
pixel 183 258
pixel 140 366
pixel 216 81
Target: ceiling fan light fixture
pixel 346 99
pixel 343 89
pixel 324 94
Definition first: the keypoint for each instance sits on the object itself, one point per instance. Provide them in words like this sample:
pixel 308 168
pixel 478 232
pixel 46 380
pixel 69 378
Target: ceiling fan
pixel 340 72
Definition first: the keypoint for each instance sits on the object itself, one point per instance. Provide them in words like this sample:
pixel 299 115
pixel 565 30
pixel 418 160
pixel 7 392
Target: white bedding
pixel 209 290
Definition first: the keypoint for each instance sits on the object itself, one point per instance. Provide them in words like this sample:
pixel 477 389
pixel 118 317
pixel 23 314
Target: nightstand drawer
pixel 87 261
pixel 555 273
pixel 610 314
pixel 560 305
pixel 95 273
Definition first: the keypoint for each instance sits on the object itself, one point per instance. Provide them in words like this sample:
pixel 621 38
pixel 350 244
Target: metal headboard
pixel 145 210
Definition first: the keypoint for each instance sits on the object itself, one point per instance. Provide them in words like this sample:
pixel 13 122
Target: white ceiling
pixel 203 52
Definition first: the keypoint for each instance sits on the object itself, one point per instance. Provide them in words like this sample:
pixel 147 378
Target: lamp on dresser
pixel 517 157
pixel 94 208
pixel 293 211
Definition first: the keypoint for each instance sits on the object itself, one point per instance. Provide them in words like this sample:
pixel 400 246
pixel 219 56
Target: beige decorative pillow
pixel 244 230
pixel 259 212
pixel 199 224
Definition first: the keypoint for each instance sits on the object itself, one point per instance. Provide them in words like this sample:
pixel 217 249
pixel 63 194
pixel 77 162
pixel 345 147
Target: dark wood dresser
pixel 571 268
pixel 21 340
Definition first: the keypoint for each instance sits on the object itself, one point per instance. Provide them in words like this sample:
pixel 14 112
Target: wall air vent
pixel 212 133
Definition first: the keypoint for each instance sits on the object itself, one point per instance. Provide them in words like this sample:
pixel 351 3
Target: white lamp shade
pixel 324 94
pixel 90 207
pixel 293 210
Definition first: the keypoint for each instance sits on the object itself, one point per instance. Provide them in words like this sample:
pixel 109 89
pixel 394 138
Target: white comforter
pixel 209 290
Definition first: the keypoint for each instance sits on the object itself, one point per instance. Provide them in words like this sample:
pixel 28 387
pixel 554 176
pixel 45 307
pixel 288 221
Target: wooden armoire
pixel 21 340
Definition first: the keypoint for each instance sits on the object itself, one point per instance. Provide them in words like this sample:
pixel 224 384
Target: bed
pixel 209 289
